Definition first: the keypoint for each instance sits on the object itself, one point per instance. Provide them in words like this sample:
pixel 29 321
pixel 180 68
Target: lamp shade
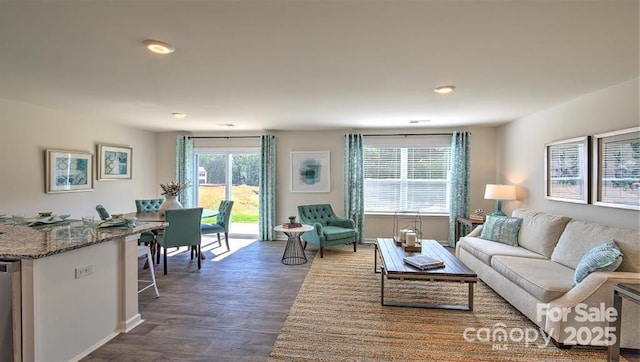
pixel 500 192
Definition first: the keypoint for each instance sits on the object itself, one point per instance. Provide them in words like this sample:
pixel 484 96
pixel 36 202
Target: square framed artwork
pixel 617 169
pixel 567 170
pixel 310 171
pixel 68 171
pixel 114 162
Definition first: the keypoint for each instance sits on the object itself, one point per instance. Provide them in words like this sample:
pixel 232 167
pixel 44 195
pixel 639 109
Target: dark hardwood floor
pixel 230 310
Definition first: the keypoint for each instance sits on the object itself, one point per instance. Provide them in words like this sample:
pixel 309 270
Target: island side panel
pixel 129 316
pixel 72 315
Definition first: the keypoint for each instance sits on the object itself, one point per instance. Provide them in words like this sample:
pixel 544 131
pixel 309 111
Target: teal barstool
pixel 102 212
pixel 148 205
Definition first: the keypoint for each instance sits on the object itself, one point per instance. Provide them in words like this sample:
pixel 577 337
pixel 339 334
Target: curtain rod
pixel 406 134
pixel 225 137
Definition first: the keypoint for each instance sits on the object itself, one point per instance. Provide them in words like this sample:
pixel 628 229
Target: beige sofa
pixel 537 275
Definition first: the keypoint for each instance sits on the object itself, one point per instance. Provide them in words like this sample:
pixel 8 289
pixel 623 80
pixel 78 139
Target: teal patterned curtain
pixel 267 202
pixel 184 168
pixel 354 181
pixel 459 205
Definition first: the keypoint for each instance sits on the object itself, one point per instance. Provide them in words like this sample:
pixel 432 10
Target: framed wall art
pixel 617 169
pixel 68 171
pixel 114 162
pixel 310 171
pixel 567 170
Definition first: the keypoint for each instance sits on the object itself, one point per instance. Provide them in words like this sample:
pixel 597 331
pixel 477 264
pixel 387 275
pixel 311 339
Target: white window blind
pixel 405 179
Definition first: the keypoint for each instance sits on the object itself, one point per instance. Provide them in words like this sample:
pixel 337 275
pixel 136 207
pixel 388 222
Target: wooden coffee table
pixel 394 268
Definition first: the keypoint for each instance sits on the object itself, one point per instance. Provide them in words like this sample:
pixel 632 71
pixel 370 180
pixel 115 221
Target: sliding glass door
pixel 230 174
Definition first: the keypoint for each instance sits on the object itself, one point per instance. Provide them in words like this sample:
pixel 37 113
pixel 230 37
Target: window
pixel 406 179
pixel 230 174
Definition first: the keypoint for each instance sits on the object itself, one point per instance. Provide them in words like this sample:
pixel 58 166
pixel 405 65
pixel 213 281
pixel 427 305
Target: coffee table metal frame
pixel 392 267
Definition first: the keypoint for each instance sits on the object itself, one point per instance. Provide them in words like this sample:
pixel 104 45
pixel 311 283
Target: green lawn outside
pixel 245 206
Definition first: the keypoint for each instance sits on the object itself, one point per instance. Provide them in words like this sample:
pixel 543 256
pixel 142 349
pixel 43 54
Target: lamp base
pixel 498 210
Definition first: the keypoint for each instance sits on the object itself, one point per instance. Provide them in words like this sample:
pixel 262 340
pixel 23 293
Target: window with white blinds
pixel 406 179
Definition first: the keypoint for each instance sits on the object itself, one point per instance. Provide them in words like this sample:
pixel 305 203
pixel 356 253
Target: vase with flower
pixel 171 190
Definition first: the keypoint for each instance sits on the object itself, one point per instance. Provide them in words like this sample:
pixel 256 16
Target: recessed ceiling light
pixel 178 115
pixel 159 47
pixel 226 125
pixel 416 121
pixel 444 89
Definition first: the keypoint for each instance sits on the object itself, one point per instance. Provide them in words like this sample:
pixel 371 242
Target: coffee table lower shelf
pixel 467 307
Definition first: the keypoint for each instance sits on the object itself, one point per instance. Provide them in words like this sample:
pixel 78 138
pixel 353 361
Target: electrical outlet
pixel 84 271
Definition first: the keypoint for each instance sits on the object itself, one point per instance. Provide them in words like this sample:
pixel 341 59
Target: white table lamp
pixel 499 193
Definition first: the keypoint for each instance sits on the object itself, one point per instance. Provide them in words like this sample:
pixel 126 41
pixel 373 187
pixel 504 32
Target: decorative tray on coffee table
pixel 416 248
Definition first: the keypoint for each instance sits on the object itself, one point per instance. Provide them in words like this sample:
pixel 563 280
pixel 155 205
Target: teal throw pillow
pixel 605 257
pixel 502 229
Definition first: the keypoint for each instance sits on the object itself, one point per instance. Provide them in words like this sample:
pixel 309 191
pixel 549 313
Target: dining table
pixel 158 216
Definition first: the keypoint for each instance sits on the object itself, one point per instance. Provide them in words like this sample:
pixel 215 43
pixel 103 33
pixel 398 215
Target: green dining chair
pixel 183 230
pixel 148 205
pixel 222 222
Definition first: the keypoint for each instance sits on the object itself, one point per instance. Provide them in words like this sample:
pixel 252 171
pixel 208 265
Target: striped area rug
pixel 337 316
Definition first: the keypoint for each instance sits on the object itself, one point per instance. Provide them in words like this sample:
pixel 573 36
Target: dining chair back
pixel 183 230
pixel 148 205
pixel 222 222
pixel 102 212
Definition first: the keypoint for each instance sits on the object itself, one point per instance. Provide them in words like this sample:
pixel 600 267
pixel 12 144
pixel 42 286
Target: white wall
pixel 520 156
pixel 483 171
pixel 26 131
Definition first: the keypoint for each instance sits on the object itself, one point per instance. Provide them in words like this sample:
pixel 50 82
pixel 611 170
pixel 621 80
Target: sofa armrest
pixel 593 285
pixel 594 291
pixel 476 232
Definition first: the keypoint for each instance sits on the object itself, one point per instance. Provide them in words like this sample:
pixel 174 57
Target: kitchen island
pixel 79 285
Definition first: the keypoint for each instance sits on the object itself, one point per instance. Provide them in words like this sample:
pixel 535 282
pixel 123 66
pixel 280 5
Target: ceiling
pixel 305 64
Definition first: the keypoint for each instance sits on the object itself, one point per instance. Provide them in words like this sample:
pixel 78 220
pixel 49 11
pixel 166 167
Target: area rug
pixel 337 316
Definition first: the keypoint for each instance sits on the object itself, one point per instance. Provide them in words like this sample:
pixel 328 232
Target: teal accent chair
pixel 183 230
pixel 329 229
pixel 148 205
pixel 222 222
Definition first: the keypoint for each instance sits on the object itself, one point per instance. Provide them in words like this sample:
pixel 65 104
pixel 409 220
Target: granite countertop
pixel 33 242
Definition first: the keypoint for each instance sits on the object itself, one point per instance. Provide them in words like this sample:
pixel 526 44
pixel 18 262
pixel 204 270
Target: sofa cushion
pixel 336 233
pixel 485 249
pixel 581 236
pixel 605 257
pixel 502 229
pixel 544 279
pixel 539 231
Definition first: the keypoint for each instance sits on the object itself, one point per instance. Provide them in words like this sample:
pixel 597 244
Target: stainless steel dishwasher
pixel 10 311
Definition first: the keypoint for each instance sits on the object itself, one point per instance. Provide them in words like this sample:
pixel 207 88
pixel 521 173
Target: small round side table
pixel 293 251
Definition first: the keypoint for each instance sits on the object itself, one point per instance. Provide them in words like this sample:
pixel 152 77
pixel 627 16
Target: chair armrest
pixel 343 223
pixel 318 227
